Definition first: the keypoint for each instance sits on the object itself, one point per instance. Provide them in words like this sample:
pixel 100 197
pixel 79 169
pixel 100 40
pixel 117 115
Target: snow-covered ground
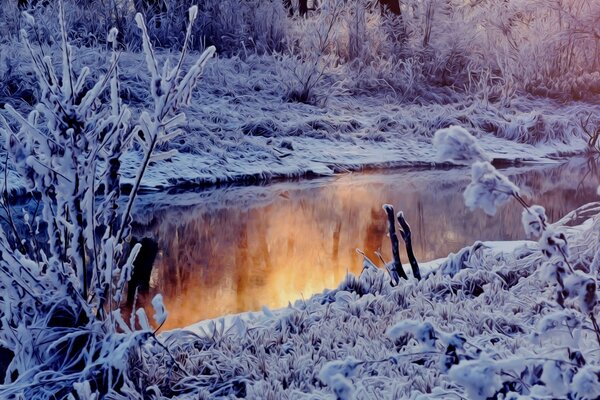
pixel 241 127
pixel 495 320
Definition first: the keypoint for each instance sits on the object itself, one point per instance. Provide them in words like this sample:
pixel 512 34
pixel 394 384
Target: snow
pixel 478 377
pixel 586 383
pixel 240 129
pixel 160 313
pixel 457 145
pixel 534 220
pixel 488 189
pixel 554 243
pixel 423 332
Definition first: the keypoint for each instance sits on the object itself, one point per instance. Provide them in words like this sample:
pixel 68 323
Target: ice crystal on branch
pixel 488 189
pixel 534 220
pixel 160 313
pixel 554 243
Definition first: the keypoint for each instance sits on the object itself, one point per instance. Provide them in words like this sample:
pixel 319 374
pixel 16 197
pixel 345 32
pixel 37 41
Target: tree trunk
pixel 392 6
pixel 303 7
pixel 287 4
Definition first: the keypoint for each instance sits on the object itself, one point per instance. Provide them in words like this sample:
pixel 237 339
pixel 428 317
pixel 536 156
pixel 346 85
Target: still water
pixel 235 249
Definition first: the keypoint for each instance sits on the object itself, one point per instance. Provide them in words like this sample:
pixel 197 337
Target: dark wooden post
pixel 397 265
pixel 142 269
pixel 406 236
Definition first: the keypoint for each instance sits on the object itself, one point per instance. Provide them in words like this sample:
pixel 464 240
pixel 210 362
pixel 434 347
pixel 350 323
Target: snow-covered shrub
pixel 478 377
pixel 62 285
pixel 335 374
pixel 304 68
pixel 586 383
pixel 574 289
pixel 457 145
pixel 534 220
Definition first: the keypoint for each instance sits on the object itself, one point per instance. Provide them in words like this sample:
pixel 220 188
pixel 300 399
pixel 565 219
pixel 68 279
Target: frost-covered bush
pixel 457 145
pixel 63 283
pixel 487 48
pixel 488 189
pixel 574 289
pixel 311 55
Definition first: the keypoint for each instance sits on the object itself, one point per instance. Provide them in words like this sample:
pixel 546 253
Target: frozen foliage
pixel 455 262
pixel 478 377
pixel 336 374
pixel 582 286
pixel 554 243
pixel 534 220
pixel 456 144
pixel 62 284
pixel 161 313
pixel 586 383
pixel 423 332
pixel 488 189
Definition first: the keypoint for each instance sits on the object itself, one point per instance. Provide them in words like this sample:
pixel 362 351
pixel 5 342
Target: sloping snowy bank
pixel 241 127
pixel 321 157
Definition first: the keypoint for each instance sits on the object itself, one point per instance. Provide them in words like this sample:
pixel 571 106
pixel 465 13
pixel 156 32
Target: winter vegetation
pixel 250 90
pixel 286 91
pixel 511 320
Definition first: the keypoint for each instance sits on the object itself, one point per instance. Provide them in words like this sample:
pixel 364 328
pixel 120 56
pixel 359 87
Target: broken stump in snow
pixel 407 237
pixel 396 270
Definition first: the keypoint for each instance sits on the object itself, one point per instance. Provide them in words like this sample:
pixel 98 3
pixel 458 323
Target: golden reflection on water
pixel 244 247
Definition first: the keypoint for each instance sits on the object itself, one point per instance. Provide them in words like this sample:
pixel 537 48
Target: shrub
pixel 61 295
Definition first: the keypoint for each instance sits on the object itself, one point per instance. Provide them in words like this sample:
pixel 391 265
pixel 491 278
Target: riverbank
pixel 236 248
pixel 242 128
pixel 481 323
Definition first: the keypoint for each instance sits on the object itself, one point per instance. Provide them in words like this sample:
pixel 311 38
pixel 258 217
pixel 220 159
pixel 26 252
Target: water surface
pixel 235 249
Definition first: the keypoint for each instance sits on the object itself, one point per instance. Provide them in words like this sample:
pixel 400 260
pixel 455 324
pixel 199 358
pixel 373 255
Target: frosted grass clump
pixel 335 374
pixel 488 189
pixel 478 377
pixel 534 220
pixel 61 299
pixel 423 332
pixel 342 387
pixel 557 319
pixel 554 377
pixel 581 286
pixel 586 383
pixel 457 145
pixel 344 368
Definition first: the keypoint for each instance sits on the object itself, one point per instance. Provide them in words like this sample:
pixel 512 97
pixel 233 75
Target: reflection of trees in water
pixel 217 261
